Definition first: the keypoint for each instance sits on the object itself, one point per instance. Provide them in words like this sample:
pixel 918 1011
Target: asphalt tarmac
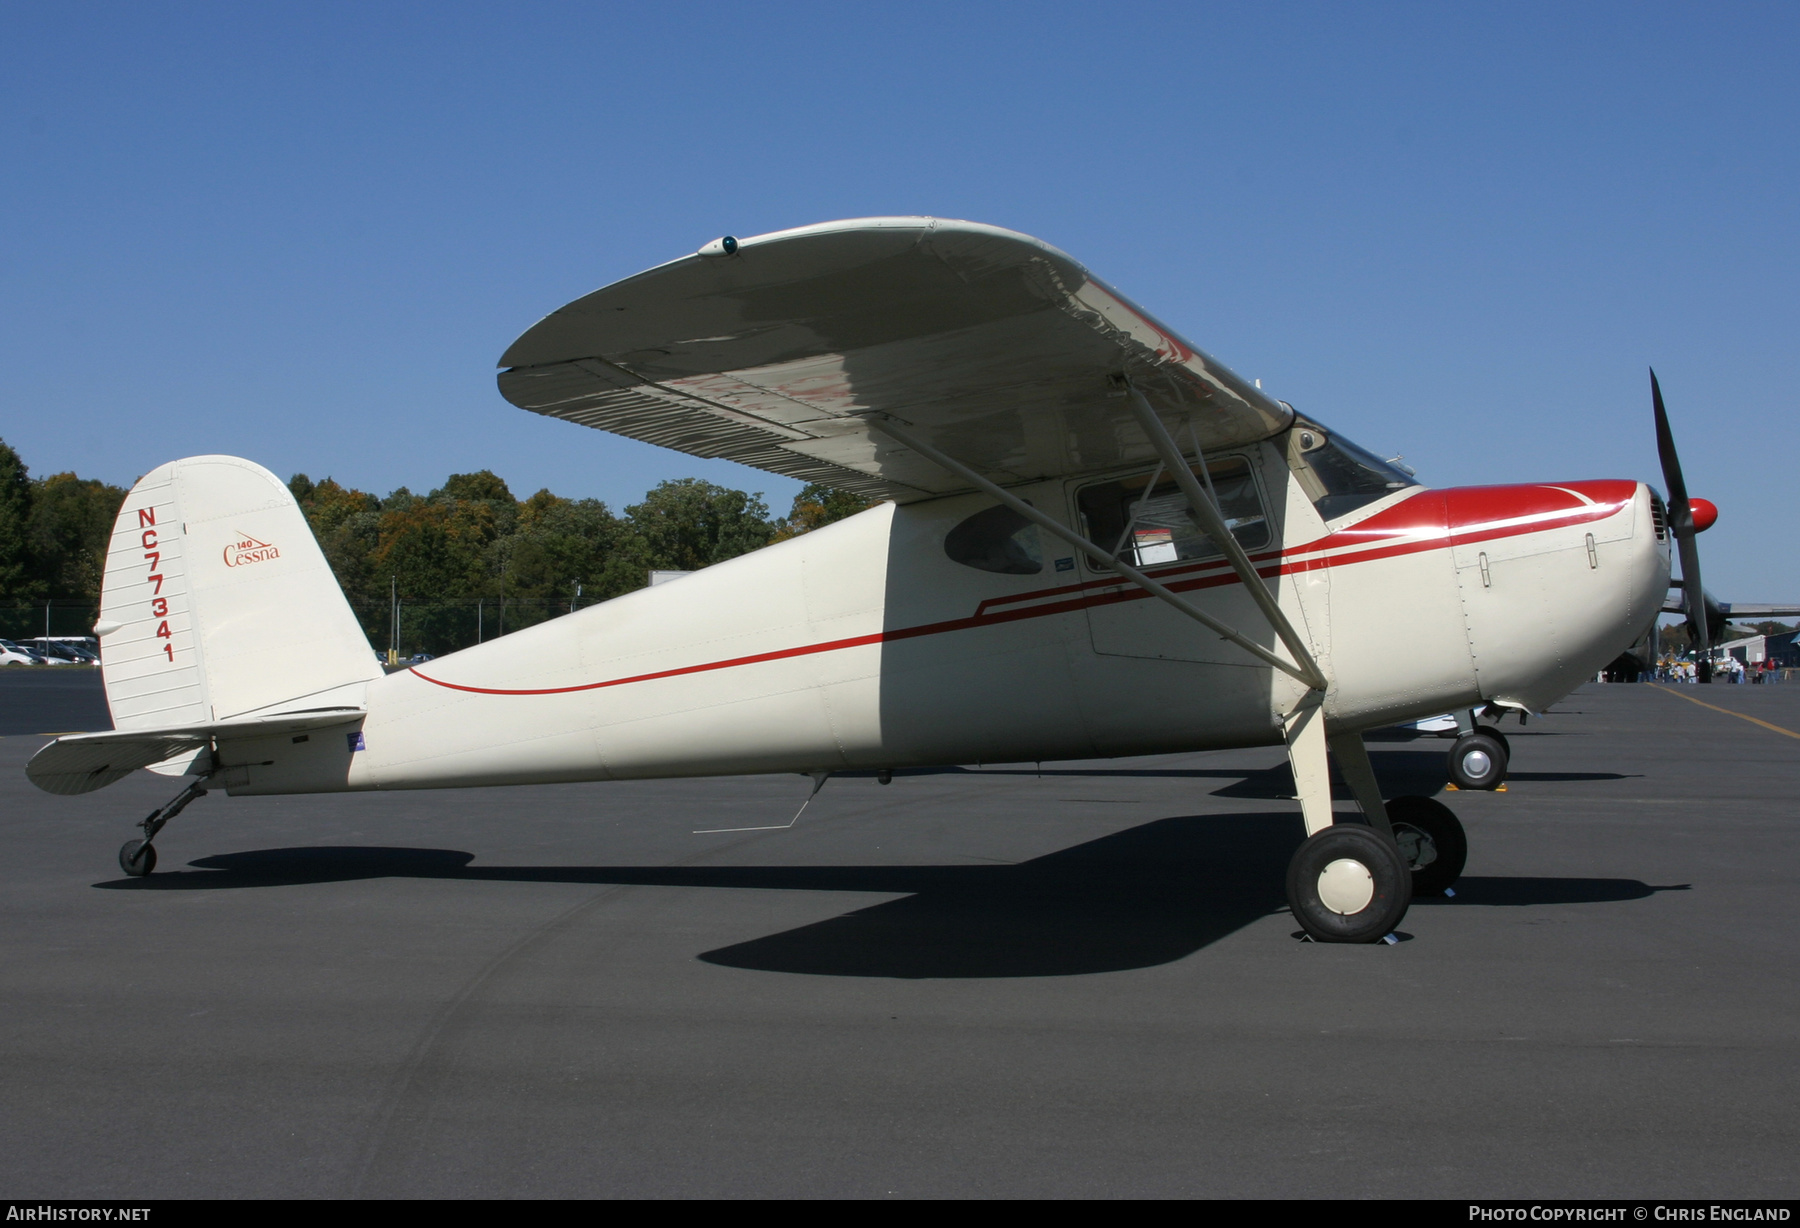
pixel 969 982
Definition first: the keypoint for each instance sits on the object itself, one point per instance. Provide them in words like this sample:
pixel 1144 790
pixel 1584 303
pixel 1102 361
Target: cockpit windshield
pixel 1338 476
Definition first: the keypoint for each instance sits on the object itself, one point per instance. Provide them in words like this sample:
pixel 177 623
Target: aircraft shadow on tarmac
pixel 1137 898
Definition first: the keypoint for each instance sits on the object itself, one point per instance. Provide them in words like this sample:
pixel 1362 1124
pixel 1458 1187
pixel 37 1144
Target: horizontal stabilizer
pixel 83 762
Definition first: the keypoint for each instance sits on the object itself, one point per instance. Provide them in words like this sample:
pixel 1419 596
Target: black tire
pixel 136 858
pixel 1336 903
pixel 1477 762
pixel 1431 840
pixel 1499 737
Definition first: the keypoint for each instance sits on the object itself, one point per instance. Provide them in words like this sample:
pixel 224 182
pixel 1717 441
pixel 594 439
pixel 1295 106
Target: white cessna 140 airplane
pixel 1095 541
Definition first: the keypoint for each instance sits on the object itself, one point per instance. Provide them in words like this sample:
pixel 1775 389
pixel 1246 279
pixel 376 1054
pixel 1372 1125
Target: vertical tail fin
pixel 218 603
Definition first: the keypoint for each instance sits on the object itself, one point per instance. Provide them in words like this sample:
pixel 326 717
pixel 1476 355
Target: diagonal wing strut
pixel 1307 672
pixel 1207 512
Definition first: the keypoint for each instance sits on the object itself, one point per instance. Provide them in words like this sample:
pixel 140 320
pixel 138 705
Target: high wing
pixel 994 347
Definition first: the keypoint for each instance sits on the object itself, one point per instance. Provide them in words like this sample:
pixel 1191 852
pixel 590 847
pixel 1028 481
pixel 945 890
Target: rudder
pixel 218 602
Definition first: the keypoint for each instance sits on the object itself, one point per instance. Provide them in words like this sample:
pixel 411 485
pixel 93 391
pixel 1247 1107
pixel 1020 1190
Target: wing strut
pixel 1207 512
pixel 889 427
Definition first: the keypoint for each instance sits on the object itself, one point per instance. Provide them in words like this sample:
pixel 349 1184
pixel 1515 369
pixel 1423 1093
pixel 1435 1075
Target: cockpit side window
pixel 1338 476
pixel 996 539
pixel 1146 527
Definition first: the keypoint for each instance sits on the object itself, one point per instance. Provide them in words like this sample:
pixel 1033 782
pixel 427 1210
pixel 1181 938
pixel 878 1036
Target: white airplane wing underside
pixel 994 347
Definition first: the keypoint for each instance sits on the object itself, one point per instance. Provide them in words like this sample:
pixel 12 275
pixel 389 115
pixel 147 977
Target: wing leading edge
pixel 994 347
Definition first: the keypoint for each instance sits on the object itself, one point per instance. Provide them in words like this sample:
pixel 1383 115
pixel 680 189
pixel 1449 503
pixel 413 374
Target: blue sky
pixel 303 234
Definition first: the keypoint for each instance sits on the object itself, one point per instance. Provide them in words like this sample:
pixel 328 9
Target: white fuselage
pixel 863 645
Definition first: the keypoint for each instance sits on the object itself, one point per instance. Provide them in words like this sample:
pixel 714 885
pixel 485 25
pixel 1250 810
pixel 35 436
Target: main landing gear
pixel 1353 881
pixel 1480 755
pixel 138 857
pixel 1431 840
pixel 1348 883
pixel 1478 759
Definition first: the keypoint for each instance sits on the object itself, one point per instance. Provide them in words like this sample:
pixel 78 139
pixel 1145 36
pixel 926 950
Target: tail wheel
pixel 137 858
pixel 1431 840
pixel 1348 883
pixel 1478 761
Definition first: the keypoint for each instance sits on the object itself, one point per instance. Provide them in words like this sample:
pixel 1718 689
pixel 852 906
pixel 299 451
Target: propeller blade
pixel 1681 514
pixel 1681 524
pixel 1693 595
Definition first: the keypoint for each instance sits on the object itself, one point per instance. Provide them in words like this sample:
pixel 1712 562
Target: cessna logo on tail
pixel 247 550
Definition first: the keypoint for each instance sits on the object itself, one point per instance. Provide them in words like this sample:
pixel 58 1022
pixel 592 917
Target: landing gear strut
pixel 138 857
pixel 1350 881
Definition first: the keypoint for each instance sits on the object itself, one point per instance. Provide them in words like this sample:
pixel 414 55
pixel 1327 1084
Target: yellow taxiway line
pixel 1727 711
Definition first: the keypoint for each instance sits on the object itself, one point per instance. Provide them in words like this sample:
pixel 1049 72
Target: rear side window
pixel 1148 525
pixel 998 539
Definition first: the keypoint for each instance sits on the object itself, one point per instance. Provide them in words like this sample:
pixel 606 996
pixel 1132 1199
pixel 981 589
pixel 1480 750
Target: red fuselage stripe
pixel 1079 598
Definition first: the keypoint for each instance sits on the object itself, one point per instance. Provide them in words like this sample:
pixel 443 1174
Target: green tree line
pixel 53 533
pixel 466 561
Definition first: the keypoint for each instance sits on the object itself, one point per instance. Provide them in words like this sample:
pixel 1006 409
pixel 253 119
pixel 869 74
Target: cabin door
pixel 1145 520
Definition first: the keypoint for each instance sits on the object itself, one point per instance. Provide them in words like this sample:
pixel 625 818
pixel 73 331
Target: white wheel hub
pixel 1477 764
pixel 1346 886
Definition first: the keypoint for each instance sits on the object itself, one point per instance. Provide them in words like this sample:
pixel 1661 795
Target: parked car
pixel 13 654
pixel 63 651
pixel 46 658
pixel 419 658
